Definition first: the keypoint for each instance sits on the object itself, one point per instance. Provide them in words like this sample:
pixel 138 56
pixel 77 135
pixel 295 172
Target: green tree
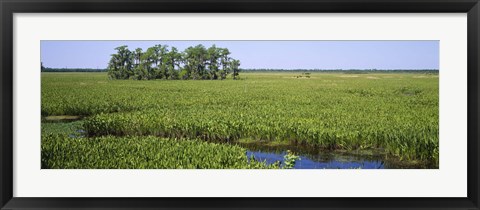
pixel 138 67
pixel 213 56
pixel 158 62
pixel 163 61
pixel 120 64
pixel 195 58
pixel 234 66
pixel 159 68
pixel 173 61
pixel 188 58
pixel 114 67
pixel 149 62
pixel 225 60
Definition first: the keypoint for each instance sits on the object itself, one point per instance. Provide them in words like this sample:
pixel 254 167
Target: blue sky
pixel 264 54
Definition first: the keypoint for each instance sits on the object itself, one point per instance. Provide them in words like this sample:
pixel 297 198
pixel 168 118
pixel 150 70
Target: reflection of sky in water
pixel 307 163
pixel 78 134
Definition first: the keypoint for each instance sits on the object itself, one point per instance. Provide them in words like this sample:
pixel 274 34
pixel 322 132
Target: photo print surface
pixel 239 104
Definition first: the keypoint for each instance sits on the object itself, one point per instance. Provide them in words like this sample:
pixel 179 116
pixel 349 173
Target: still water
pixel 316 158
pixel 336 162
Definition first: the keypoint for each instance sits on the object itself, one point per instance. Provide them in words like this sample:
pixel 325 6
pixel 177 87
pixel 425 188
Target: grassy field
pixel 397 113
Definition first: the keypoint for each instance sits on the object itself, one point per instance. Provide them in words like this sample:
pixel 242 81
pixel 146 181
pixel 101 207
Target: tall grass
pixel 395 112
pixel 109 152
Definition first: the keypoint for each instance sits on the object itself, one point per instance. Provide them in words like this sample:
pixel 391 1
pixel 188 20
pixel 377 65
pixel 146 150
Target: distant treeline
pixel 348 71
pixel 72 70
pixel 423 71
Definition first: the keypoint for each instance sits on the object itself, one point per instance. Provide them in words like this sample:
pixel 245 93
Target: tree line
pixel 162 62
pixel 49 69
pixel 348 71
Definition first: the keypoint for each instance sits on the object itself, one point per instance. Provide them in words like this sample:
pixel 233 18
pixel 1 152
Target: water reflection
pixel 314 157
pixel 78 134
pixel 339 162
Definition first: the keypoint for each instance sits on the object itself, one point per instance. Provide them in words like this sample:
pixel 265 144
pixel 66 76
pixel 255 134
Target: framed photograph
pixel 239 104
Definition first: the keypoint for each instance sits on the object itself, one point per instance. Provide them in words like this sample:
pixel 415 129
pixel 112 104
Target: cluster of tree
pixel 160 62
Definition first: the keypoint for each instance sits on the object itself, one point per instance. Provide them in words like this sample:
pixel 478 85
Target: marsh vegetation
pixel 387 118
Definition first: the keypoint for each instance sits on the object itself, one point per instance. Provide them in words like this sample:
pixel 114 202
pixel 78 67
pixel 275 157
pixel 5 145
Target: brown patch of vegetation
pixel 62 117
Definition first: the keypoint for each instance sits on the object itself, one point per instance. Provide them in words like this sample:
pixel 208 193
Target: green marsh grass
pixel 395 112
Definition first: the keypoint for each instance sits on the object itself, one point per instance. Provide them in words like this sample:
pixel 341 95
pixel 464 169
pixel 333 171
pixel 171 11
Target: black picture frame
pixel 9 7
